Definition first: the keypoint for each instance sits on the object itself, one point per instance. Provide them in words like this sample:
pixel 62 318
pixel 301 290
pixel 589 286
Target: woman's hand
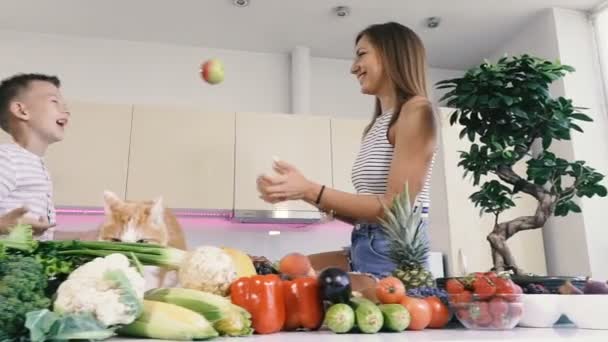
pixel 288 184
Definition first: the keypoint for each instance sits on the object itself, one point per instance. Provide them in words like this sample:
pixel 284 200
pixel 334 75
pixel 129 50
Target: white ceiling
pixel 470 30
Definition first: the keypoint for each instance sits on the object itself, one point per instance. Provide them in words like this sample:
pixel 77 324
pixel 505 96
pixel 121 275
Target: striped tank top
pixel 370 169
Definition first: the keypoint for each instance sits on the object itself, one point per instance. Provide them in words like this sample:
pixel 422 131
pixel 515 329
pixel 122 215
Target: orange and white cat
pixel 143 222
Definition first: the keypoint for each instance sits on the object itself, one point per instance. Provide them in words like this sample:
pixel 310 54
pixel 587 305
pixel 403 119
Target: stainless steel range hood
pixel 277 216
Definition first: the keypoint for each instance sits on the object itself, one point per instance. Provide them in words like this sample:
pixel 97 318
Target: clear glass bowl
pixel 498 312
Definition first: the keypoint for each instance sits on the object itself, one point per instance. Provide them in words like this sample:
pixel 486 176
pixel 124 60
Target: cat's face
pixel 126 221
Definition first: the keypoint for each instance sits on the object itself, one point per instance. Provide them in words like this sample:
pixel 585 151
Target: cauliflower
pixel 109 288
pixel 208 269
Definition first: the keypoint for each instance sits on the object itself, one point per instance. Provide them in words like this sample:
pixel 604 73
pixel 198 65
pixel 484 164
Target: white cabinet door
pixel 301 140
pixel 186 156
pixel 346 137
pixel 93 156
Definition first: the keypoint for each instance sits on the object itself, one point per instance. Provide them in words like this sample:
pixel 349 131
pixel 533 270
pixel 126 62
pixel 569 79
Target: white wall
pixel 576 47
pixel 130 72
pixel 600 22
pixel 113 71
pixel 537 38
pixel 336 92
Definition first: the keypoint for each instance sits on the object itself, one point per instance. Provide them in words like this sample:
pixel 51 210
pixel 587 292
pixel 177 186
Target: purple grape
pixel 422 292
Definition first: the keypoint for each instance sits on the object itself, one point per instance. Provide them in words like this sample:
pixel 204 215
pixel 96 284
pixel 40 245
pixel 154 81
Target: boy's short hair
pixel 11 87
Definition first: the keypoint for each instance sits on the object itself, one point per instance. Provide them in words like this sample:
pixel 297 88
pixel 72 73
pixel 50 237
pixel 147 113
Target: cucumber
pixel 340 318
pixel 367 314
pixel 396 317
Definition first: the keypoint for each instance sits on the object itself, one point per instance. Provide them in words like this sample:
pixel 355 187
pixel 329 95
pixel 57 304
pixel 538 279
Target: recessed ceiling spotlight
pixel 240 3
pixel 433 22
pixel 342 11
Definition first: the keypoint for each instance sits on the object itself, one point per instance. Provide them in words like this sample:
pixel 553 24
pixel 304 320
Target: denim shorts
pixel 369 250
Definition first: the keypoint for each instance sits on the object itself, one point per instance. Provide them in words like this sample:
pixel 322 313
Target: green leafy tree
pixel 503 109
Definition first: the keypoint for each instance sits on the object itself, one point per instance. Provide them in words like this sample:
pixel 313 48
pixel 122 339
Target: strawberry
pixel 463 314
pixel 491 275
pixel 480 313
pixel 453 286
pixel 506 289
pixel 504 286
pixel 483 288
pixel 518 289
pixel 463 297
pixel 500 322
pixel 498 307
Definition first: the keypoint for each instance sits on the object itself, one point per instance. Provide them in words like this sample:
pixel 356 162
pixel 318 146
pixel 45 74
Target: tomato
pixel 390 290
pixel 480 313
pixel 454 286
pixel 461 298
pixel 420 312
pixel 440 314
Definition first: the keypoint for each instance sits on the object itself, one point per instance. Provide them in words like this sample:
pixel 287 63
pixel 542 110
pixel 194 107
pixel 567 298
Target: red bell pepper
pixel 303 305
pixel 263 297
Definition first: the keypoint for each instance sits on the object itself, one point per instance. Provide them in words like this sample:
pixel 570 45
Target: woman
pixel 398 145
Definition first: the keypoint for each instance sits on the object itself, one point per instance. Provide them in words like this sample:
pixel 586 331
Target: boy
pixel 34 113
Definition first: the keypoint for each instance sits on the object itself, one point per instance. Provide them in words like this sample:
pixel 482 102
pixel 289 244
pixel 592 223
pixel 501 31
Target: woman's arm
pixel 414 141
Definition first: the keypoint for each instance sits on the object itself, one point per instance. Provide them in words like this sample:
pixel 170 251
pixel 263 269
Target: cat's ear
pixel 157 213
pixel 111 201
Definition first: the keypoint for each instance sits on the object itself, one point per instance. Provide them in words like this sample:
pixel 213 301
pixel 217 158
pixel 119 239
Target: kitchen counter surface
pixel 450 335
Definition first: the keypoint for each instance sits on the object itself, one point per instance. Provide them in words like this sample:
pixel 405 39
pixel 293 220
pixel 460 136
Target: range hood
pixel 277 216
pixel 289 212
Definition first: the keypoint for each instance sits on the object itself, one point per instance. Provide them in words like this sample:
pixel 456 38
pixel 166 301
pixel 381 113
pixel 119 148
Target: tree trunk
pixel 501 254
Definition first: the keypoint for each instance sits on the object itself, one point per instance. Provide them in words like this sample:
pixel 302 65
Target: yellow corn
pixel 169 322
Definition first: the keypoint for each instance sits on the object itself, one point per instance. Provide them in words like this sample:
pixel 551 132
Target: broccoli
pixel 22 285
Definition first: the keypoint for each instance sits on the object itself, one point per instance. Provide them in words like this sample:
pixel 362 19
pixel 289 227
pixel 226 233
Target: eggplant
pixel 334 285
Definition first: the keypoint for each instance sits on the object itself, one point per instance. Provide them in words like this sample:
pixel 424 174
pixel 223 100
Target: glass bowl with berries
pixel 485 301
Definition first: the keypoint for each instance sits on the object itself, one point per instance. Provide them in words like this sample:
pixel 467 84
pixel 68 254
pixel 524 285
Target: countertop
pixel 565 333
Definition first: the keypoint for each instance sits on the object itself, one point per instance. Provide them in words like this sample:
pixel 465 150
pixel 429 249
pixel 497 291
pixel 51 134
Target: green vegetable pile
pixel 30 272
pixel 22 289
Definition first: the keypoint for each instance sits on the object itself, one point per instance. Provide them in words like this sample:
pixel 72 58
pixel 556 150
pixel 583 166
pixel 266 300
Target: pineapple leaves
pixel 403 224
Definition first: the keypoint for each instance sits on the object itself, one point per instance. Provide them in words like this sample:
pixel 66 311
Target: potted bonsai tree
pixel 509 116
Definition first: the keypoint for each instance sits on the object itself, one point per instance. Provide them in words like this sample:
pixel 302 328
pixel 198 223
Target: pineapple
pixel 408 250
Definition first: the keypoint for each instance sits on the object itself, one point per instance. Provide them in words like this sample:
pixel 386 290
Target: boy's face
pixel 42 106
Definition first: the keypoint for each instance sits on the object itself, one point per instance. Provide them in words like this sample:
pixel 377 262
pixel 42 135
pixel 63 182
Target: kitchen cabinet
pixel 346 137
pixel 301 140
pixel 184 155
pixel 92 157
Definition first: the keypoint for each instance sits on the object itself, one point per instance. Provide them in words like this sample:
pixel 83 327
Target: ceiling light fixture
pixel 433 22
pixel 342 11
pixel 240 3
